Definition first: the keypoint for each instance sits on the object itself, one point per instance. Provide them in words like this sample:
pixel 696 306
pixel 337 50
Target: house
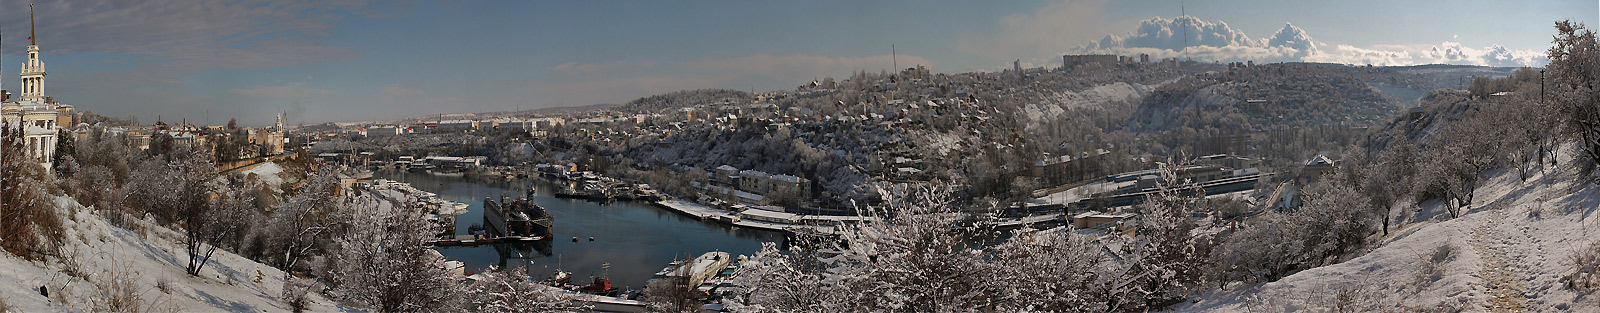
pixel 384 131
pixel 726 174
pixel 1102 221
pixel 1316 167
pixel 457 125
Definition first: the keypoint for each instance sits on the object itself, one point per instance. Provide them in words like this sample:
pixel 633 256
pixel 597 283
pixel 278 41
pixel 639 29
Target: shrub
pixel 29 226
pixel 1585 267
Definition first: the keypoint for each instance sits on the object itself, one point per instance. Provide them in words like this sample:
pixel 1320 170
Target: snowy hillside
pixel 109 268
pixel 1509 252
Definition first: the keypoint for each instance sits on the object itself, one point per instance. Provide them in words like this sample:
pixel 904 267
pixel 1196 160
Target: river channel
pixel 632 240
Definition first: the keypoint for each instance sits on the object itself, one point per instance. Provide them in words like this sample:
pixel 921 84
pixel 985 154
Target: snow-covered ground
pixel 268 172
pixel 102 254
pixel 1512 246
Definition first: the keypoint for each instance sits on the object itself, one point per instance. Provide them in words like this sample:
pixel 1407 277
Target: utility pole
pixel 1185 12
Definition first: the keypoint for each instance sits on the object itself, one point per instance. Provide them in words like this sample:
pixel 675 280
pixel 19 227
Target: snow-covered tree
pixel 502 290
pixel 919 255
pixel 1459 155
pixel 1571 79
pixel 1053 270
pixel 1164 260
pixel 1391 178
pixel 383 259
pixel 1333 222
pixel 297 227
pixel 222 221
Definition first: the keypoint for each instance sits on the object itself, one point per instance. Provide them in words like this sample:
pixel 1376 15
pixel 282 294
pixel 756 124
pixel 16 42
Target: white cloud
pixel 1294 38
pixel 1215 41
pixel 1448 52
pixel 290 91
pixel 1177 33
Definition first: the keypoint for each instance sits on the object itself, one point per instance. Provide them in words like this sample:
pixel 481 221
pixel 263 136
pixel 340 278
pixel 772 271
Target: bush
pixel 1585 268
pixel 29 226
pixel 119 293
pixel 294 293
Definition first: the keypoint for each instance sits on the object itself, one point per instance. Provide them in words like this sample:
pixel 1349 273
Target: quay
pixel 757 218
pixel 478 240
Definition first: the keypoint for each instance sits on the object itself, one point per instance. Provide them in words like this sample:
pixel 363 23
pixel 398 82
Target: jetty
pixel 478 240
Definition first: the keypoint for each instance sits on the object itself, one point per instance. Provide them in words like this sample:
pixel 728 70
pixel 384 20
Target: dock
pixel 704 212
pixel 478 240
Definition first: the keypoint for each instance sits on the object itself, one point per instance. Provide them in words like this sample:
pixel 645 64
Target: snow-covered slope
pixel 1511 249
pixel 104 259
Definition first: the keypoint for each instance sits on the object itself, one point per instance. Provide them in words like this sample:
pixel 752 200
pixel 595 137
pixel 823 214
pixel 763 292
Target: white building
pixel 39 116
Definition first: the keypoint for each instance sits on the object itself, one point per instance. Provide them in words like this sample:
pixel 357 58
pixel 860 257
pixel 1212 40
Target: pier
pixel 478 240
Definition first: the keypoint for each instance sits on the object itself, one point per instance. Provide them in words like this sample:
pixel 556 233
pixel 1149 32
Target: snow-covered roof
pixel 770 215
pixel 787 178
pixel 755 174
pixel 1320 160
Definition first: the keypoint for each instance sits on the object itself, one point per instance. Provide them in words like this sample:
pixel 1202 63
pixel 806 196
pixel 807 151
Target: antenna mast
pixel 1185 12
pixel 894 58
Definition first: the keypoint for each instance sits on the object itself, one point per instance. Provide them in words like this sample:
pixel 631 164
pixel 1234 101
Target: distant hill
pixel 684 98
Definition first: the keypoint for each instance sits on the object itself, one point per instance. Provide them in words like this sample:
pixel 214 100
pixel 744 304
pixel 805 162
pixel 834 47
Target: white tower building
pixel 33 70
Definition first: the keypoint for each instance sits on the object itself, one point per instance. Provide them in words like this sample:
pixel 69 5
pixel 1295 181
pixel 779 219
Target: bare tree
pixel 671 294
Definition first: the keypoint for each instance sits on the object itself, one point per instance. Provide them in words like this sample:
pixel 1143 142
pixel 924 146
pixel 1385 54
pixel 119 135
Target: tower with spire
pixel 33 71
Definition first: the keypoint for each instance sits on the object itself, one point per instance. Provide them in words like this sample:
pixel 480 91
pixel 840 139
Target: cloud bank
pixel 1193 38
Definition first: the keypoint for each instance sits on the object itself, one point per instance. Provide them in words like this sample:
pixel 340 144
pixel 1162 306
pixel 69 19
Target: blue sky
pixel 350 60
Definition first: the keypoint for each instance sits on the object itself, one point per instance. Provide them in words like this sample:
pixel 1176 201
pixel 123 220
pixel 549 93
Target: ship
pixel 516 219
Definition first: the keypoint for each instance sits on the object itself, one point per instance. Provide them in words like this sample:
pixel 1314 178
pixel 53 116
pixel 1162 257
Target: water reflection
pixel 636 239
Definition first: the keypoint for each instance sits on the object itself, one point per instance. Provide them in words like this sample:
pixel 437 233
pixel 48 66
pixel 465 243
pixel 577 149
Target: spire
pixel 31 41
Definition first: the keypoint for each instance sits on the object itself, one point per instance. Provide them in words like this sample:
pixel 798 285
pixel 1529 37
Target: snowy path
pixel 1514 248
pixel 1502 280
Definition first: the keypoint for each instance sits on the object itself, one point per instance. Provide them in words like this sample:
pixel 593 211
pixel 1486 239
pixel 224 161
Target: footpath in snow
pixel 1513 245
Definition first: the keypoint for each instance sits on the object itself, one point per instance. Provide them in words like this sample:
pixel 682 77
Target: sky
pixel 205 61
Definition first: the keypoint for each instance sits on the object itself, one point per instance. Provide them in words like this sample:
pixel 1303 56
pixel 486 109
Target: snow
pixel 1099 95
pixel 102 251
pixel 1508 258
pixel 268 172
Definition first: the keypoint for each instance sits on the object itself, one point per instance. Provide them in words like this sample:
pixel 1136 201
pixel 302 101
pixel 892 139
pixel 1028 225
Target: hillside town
pixel 1117 180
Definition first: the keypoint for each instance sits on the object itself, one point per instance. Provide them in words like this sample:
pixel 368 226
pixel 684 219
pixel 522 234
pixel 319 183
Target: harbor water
pixel 632 240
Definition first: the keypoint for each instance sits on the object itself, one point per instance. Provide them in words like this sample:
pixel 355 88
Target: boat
pixel 668 270
pixel 600 286
pixel 517 219
pixel 561 277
